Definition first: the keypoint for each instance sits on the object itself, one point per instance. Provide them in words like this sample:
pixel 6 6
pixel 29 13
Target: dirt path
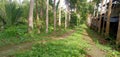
pixel 94 51
pixel 9 50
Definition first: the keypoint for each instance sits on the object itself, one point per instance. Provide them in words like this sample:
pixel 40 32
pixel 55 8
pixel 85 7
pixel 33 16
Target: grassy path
pixel 75 43
pixel 8 50
pixel 94 51
pixel 12 49
pixel 71 44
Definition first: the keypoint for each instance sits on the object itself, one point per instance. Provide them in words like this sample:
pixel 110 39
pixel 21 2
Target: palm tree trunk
pixel 30 18
pixel 60 9
pixel 66 19
pixel 54 15
pixel 94 10
pixel 118 33
pixel 69 17
pixel 75 8
pixel 99 27
pixel 41 13
pixel 37 17
pixel 60 17
pixel 47 4
pixel 103 26
pixel 108 19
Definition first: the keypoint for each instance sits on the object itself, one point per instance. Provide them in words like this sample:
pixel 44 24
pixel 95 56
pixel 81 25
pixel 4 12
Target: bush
pixel 13 31
pixel 73 21
pixel 13 35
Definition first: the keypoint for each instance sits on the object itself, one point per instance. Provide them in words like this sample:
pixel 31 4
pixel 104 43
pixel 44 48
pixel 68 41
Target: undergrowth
pixel 71 46
pixel 18 34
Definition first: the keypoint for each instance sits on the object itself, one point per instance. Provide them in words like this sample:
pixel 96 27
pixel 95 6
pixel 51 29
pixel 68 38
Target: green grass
pixel 71 46
pixel 18 34
pixel 108 48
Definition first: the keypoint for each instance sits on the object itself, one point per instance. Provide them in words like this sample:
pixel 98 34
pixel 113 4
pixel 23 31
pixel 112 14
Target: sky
pixel 104 8
pixel 62 3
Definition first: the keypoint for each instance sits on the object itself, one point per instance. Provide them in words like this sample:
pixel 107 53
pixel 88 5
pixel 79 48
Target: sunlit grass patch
pixel 54 50
pixel 71 46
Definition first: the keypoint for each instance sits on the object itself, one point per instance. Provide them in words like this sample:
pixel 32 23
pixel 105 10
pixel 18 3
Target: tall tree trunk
pixel 69 18
pixel 96 16
pixel 103 26
pixel 59 14
pixel 54 15
pixel 66 19
pixel 37 17
pixel 99 27
pixel 94 10
pixel 47 4
pixel 30 18
pixel 41 13
pixel 60 17
pixel 108 19
pixel 118 33
pixel 75 8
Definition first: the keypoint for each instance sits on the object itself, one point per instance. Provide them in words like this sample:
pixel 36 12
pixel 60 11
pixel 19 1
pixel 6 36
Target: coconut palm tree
pixel 37 18
pixel 60 13
pixel 108 19
pixel 54 15
pixel 118 33
pixel 47 19
pixel 30 17
pixel 99 27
